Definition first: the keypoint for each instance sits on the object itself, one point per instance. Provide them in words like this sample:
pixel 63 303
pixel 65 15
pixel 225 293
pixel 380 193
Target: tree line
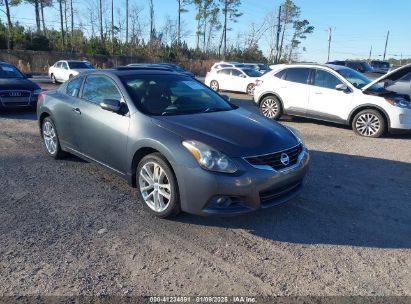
pixel 103 29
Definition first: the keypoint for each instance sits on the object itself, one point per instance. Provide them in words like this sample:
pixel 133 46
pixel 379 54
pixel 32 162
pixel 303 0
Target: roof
pixel 134 71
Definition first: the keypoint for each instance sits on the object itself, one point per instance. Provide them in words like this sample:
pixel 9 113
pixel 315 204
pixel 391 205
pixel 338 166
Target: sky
pixel 356 25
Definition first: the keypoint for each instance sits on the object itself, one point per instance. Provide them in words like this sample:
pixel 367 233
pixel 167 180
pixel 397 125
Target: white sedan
pixel 63 70
pixel 232 79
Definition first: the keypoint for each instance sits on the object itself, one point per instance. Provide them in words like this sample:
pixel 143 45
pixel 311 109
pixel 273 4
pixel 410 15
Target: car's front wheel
pixel 157 186
pixel 369 123
pixel 271 107
pixel 53 78
pixel 50 138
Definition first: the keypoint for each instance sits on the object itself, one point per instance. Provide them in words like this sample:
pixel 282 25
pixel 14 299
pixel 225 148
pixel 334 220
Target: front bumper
pixel 251 189
pixel 400 118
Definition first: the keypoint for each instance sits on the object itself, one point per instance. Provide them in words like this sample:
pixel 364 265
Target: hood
pixel 393 76
pixel 236 133
pixel 17 84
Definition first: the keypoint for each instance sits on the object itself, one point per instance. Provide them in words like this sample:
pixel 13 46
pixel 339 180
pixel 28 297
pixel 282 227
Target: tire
pixel 71 76
pixel 53 79
pixel 271 107
pixel 50 139
pixel 148 189
pixel 214 85
pixel 250 89
pixel 369 123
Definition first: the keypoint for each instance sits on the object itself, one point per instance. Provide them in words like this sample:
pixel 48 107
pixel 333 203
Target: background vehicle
pixel 224 64
pixel 170 66
pixel 335 93
pixel 398 81
pixel 63 70
pixel 16 90
pixel 232 79
pixel 360 66
pixel 380 66
pixel 181 144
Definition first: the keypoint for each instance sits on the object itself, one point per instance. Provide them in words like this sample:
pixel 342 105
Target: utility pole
pixel 386 43
pixel 369 57
pixel 329 43
pixel 277 46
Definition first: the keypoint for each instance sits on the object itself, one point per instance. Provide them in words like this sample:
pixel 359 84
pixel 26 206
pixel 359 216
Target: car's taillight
pixel 258 82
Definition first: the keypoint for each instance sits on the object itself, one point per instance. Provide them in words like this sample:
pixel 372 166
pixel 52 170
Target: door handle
pixel 319 93
pixel 283 87
pixel 76 110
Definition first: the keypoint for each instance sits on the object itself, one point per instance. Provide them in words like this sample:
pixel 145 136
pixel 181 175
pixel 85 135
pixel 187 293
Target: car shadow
pixel 348 200
pixel 23 114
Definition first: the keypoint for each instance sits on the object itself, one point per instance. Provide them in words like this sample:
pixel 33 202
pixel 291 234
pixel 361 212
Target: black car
pixel 169 66
pixel 380 66
pixel 360 66
pixel 16 90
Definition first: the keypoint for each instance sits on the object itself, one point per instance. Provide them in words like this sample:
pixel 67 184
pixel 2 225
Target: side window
pixel 73 87
pixel 325 80
pixel 96 88
pixel 224 72
pixel 406 77
pixel 280 74
pixel 64 65
pixel 236 73
pixel 58 65
pixel 298 75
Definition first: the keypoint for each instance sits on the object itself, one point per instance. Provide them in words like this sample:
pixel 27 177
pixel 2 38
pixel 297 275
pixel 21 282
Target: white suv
pixel 337 94
pixel 63 70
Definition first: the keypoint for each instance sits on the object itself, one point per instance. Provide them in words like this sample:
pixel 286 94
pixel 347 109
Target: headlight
pixel 399 102
pixel 210 159
pixel 297 134
pixel 38 91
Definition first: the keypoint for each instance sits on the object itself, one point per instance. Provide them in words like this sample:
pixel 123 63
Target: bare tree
pixel 214 25
pixel 61 24
pixel 152 27
pixel 9 24
pixel 72 24
pixel 289 14
pixel 101 20
pixel 112 27
pixel 127 14
pixel 181 9
pixel 136 26
pixel 231 13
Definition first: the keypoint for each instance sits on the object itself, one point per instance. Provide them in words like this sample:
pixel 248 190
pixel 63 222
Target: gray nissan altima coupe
pixel 182 145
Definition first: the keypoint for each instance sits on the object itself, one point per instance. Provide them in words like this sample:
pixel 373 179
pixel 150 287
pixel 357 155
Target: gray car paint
pixel 115 141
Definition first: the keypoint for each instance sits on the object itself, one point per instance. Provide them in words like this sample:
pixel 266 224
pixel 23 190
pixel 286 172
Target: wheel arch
pixel 266 94
pixel 360 108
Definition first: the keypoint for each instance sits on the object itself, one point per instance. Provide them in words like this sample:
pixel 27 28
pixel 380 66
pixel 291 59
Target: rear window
pixel 298 75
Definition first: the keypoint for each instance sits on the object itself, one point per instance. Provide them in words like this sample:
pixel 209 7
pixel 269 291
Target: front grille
pixel 274 159
pixel 15 98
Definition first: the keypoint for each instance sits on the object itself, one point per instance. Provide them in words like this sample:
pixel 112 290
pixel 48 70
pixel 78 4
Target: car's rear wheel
pixel 369 123
pixel 71 76
pixel 50 138
pixel 157 186
pixel 271 107
pixel 250 89
pixel 214 85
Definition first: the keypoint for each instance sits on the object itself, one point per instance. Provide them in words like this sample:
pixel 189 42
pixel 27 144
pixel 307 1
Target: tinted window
pixel 58 65
pixel 224 72
pixel 97 88
pixel 299 75
pixel 80 65
pixel 236 73
pixel 73 87
pixel 64 65
pixel 280 74
pixel 9 71
pixel 325 80
pixel 164 95
pixel 406 77
pixel 252 73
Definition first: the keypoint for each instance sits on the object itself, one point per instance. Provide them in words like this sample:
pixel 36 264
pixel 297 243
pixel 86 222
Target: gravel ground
pixel 69 227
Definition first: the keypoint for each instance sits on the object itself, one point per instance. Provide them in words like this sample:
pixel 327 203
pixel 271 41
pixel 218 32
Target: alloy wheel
pixel 50 138
pixel 250 89
pixel 269 107
pixel 155 186
pixel 214 85
pixel 368 124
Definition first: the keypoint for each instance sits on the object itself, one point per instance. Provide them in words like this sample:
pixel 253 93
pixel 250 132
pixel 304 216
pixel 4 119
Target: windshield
pixel 165 95
pixel 9 71
pixel 358 80
pixel 263 67
pixel 252 73
pixel 80 65
pixel 381 65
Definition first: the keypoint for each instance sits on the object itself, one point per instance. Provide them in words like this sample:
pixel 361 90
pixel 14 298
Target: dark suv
pixel 360 66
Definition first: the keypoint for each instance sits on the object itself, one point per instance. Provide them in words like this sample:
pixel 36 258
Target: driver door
pixel 103 134
pixel 325 101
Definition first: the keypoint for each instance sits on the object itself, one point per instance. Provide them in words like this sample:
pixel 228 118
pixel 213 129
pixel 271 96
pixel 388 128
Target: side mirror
pixel 111 105
pixel 342 87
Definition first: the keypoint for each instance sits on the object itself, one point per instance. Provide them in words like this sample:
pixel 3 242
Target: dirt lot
pixel 68 227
